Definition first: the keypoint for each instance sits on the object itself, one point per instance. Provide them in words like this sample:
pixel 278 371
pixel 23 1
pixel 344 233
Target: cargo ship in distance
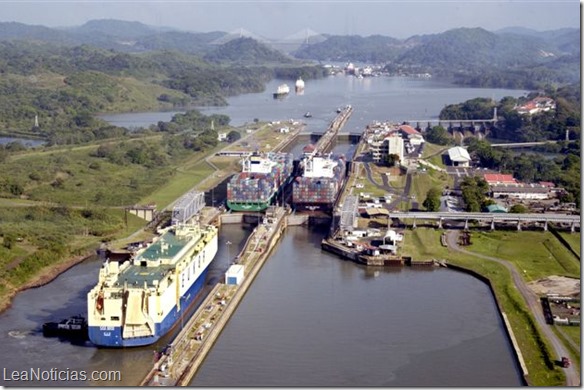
pixel 283 90
pixel 262 177
pixel 319 184
pixel 138 301
pixel 299 86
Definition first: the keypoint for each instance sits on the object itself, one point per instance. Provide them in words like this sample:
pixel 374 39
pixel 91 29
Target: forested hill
pixel 372 49
pixel 461 46
pixel 470 56
pixel 118 35
pixel 65 86
pixel 247 51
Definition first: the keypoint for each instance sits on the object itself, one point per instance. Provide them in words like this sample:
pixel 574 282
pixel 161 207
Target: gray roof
pixel 521 188
pixel 458 154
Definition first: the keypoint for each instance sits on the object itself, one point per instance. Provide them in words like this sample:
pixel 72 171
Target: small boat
pixel 73 327
pixel 308 115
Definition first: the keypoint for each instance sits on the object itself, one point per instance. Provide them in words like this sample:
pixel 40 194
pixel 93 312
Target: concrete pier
pixel 179 363
pixel 325 142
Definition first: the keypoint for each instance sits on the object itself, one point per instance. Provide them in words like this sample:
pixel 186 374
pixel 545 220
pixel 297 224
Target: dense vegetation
pixel 65 87
pixel 512 126
pixel 69 199
pixel 474 193
pixel 247 51
pixel 563 170
pixel 373 49
pixel 469 56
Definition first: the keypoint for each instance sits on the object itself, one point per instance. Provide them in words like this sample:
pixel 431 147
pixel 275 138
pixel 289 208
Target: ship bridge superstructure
pixel 257 163
pixel 319 166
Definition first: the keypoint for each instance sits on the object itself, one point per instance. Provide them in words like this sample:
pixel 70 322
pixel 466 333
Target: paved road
pixel 572 376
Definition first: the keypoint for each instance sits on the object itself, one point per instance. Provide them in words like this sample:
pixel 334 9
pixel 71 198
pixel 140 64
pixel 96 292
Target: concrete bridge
pixel 315 137
pixel 476 126
pixel 519 219
pixel 524 144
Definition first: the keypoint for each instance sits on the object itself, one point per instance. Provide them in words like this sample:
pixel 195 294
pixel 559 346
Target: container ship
pixel 320 182
pixel 261 178
pixel 283 90
pixel 137 301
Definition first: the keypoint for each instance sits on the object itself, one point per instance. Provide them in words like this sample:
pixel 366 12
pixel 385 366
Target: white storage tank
pixel 234 274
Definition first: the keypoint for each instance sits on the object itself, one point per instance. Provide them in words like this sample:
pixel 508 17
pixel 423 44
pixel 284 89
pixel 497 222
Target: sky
pixel 281 19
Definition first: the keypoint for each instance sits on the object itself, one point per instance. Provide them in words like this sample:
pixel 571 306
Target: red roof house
pixel 498 178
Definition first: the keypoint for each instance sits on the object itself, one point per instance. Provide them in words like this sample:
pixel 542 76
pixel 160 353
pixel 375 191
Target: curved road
pixel 572 376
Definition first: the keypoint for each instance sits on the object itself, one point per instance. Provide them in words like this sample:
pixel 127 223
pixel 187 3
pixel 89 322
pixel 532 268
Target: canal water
pixel 310 318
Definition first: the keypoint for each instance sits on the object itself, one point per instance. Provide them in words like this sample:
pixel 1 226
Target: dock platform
pixel 179 362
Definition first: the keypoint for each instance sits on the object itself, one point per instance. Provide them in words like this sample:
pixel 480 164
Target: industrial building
pixel 459 157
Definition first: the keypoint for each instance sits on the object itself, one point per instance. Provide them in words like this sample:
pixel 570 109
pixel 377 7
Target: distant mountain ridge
pixel 474 53
pixel 136 36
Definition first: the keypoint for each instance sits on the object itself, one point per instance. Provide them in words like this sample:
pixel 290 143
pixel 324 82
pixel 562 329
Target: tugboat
pixel 73 327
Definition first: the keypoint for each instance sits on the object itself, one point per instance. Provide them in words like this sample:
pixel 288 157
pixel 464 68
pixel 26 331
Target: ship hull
pixel 237 206
pixel 111 336
pixel 256 191
pixel 308 206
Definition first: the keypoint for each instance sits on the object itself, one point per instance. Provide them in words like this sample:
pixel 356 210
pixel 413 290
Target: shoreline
pixel 46 276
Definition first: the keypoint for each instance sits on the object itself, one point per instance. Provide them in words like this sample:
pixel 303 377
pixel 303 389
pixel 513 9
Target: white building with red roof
pixel 506 186
pixel 414 137
pixel 534 106
pixel 499 178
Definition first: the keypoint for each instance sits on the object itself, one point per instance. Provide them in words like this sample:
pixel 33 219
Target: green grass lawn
pixel 536 254
pixel 574 240
pixel 422 182
pixel 571 335
pixel 179 183
pixel 433 153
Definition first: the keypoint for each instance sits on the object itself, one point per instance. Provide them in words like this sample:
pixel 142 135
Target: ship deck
pixel 137 274
pixel 172 245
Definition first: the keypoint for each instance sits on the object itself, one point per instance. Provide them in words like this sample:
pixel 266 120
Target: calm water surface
pixel 310 318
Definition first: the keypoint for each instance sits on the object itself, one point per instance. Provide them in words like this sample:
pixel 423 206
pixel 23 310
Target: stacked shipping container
pixel 319 186
pixel 261 178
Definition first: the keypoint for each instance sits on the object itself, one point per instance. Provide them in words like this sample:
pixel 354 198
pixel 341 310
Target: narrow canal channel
pixel 312 319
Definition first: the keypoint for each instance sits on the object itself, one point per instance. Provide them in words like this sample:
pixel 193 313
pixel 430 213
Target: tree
pixel 391 159
pixel 518 209
pixel 233 136
pixel 432 201
pixel 474 190
pixel 438 135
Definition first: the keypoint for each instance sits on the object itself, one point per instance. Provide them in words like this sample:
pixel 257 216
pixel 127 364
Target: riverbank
pixel 45 276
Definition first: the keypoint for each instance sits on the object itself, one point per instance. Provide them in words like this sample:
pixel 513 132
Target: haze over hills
pixel 512 57
pixel 137 36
